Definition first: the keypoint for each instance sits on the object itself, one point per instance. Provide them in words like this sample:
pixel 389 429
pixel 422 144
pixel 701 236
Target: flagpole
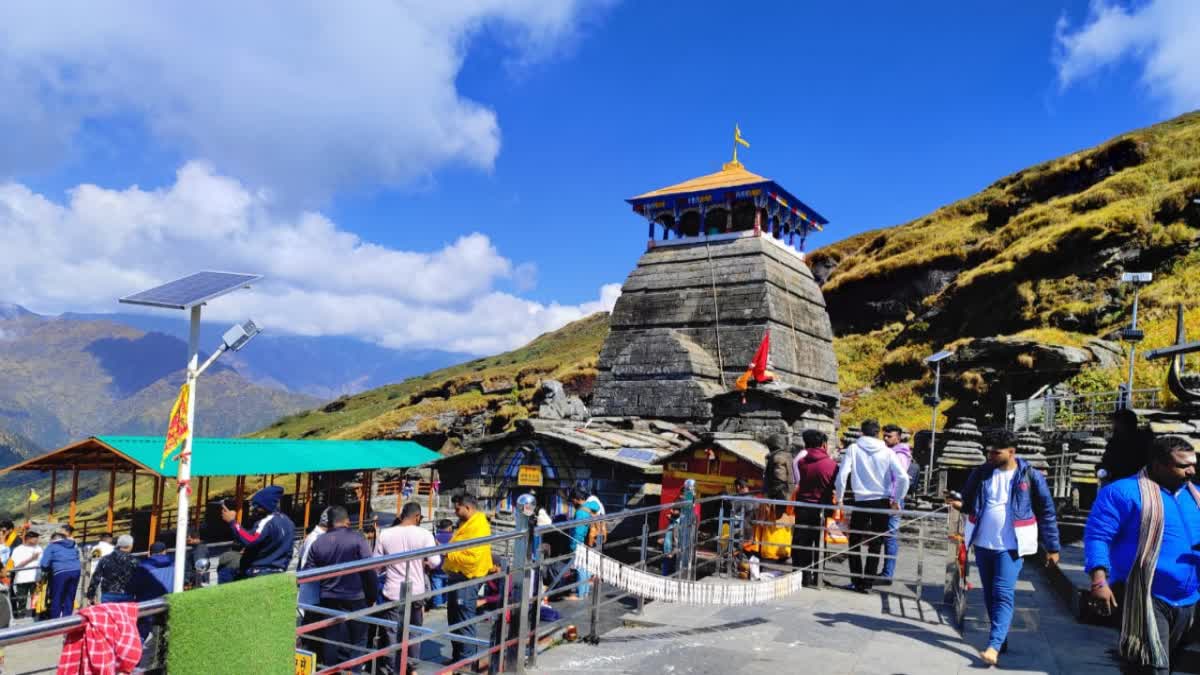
pixel 185 457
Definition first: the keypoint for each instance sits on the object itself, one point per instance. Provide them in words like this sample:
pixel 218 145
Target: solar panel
pixel 637 455
pixel 192 290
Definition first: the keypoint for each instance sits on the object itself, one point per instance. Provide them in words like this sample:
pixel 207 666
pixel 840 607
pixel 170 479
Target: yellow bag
pixel 775 542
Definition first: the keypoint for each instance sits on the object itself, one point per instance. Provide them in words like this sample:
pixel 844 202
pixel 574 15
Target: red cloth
pixel 107 644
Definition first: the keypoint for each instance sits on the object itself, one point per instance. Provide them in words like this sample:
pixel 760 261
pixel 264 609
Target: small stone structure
pixel 961 451
pixel 1030 449
pixel 1087 461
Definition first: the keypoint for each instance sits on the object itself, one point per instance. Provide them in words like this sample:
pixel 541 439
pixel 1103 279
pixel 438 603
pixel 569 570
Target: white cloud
pixel 1161 35
pixel 306 97
pixel 320 280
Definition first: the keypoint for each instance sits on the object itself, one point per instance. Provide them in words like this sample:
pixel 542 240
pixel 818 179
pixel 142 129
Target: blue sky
pixel 873 115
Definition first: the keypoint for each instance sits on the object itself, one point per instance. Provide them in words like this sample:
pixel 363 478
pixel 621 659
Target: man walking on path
pixel 877 478
pixel 891 546
pixel 407 536
pixel 345 593
pixel 815 472
pixel 1140 537
pixel 1008 508
pixel 268 548
pixel 61 562
pixel 465 564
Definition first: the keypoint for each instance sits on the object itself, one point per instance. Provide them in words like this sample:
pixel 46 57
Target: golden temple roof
pixel 731 174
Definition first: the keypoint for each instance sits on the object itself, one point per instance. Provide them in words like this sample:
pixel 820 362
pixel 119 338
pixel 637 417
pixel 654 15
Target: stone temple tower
pixel 721 270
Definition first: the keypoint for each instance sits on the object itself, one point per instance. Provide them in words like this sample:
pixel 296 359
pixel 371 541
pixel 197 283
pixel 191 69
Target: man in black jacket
pixel 345 593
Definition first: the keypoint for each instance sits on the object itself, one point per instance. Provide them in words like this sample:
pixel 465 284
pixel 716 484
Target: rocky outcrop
pixel 557 405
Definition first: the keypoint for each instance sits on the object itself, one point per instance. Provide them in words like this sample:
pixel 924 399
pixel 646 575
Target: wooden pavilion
pixel 319 461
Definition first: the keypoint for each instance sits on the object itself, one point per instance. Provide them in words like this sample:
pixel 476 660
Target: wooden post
pixel 53 486
pixel 366 497
pixel 74 495
pixel 207 485
pixel 132 493
pixel 155 510
pixel 297 490
pixel 240 484
pixel 400 497
pixel 112 496
pixel 432 498
pixel 308 495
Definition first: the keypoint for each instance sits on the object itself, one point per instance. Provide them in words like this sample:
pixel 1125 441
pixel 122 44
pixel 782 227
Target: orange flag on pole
pixel 758 366
pixel 177 428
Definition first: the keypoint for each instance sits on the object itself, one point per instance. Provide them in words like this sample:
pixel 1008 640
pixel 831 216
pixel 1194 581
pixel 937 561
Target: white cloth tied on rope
pixel 664 589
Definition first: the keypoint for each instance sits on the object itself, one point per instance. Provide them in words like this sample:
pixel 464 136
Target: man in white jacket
pixel 878 480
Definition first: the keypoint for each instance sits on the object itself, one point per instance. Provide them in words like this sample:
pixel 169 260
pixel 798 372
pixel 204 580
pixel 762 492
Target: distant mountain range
pixel 62 379
pixel 324 367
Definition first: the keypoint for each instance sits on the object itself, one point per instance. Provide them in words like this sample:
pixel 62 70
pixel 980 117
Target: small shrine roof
pixel 734 180
pixel 730 175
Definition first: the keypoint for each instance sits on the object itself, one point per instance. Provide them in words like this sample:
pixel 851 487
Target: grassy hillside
pixel 1036 256
pixel 503 385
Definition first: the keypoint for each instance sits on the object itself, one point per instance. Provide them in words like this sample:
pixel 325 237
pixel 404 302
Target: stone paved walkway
pixel 832 631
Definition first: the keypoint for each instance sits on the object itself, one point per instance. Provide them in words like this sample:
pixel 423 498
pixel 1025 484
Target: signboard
pixel 306 662
pixel 529 475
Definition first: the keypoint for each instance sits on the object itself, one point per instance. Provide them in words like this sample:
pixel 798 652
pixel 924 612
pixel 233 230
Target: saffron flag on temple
pixel 177 428
pixel 737 136
pixel 758 366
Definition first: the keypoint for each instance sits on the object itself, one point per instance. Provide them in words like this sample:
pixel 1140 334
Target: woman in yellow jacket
pixel 468 563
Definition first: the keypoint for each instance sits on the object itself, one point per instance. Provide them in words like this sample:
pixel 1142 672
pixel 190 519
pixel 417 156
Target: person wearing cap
pixel 268 545
pixel 155 576
pixel 114 573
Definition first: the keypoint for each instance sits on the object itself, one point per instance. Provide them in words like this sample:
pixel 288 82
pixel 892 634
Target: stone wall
pixel 661 358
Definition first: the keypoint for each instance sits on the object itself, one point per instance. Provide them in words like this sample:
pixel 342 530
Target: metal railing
pixel 532 569
pixel 1075 412
pixel 524 578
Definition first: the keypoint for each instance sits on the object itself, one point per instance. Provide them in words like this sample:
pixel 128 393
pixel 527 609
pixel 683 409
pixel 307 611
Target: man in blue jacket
pixel 61 561
pixel 268 548
pixel 1154 517
pixel 154 576
pixel 1008 505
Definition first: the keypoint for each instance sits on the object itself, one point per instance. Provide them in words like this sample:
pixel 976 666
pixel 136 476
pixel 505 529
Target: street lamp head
pixel 1137 277
pixel 235 338
pixel 940 356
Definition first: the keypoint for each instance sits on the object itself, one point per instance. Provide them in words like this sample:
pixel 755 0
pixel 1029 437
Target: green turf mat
pixel 244 627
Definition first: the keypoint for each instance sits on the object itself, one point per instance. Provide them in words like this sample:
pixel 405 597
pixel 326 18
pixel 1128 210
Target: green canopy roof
pixel 233 456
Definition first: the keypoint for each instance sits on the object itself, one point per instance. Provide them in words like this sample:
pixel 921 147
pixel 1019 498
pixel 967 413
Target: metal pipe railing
pixel 515 613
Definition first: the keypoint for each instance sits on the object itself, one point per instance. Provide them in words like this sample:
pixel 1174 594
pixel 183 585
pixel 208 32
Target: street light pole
pixel 184 475
pixel 1132 352
pixel 937 382
pixel 1132 334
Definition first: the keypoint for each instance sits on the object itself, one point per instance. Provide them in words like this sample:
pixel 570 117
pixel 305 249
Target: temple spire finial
pixel 737 140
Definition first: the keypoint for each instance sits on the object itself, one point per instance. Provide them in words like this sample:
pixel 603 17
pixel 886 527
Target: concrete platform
pixel 833 631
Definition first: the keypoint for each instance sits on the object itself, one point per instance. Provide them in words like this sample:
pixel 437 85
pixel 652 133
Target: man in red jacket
pixel 815 471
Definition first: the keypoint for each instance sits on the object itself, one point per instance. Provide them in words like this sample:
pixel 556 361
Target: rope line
pixel 664 589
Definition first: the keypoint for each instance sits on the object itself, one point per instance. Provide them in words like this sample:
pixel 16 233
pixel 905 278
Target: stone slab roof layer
pixel 690 318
